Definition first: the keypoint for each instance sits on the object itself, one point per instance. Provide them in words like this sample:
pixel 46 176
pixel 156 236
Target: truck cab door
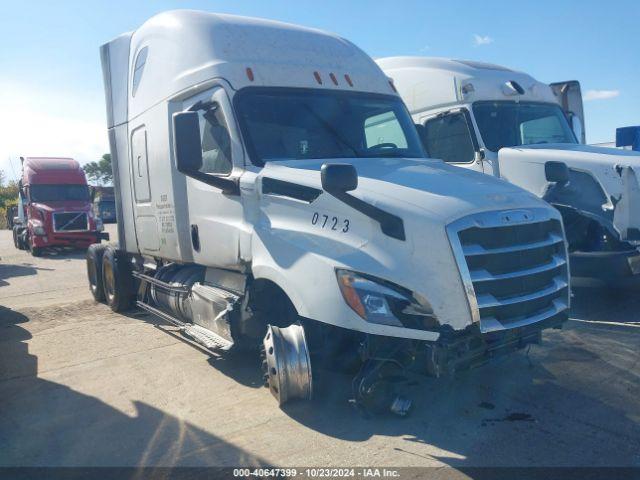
pixel 215 216
pixel 450 136
pixel 569 96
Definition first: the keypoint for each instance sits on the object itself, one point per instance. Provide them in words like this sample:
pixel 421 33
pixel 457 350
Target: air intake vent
pixel 515 272
pixel 70 222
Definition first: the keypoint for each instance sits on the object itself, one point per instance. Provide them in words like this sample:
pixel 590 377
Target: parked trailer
pixel 271 190
pixel 54 207
pixel 492 119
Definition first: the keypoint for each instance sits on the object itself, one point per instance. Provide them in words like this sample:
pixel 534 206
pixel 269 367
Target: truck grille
pixel 70 222
pixel 513 265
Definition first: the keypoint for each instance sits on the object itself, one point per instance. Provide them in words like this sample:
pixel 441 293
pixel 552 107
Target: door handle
pixel 195 237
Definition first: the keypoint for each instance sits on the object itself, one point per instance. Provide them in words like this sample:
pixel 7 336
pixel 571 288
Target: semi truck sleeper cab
pixel 54 206
pixel 271 190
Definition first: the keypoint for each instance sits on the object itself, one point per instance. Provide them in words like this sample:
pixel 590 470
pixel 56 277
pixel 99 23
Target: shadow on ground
pixel 66 253
pixel 43 423
pixel 571 402
pixel 8 271
pixel 241 366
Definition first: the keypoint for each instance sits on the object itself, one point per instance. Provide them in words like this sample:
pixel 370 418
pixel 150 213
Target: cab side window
pixel 448 137
pixel 216 142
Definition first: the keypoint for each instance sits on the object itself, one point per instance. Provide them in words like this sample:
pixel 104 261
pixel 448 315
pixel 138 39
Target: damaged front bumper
pixel 470 348
pixel 456 351
pixel 386 359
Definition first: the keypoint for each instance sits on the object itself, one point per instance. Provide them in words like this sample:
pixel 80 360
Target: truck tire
pixel 22 242
pixel 94 270
pixel 117 279
pixel 35 251
pixel 15 238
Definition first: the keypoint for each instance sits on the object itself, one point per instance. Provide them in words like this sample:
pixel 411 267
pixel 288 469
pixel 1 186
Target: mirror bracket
pixel 229 186
pixel 391 225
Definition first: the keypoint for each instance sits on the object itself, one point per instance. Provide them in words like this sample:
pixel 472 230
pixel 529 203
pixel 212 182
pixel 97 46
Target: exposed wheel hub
pixel 288 367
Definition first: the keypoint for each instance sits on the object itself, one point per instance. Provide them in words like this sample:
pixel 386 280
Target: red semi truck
pixel 55 208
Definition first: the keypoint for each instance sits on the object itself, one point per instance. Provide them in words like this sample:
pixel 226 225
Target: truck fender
pixel 267 272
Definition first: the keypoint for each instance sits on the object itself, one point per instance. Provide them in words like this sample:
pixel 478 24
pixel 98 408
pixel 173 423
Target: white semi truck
pixel 271 190
pixel 504 123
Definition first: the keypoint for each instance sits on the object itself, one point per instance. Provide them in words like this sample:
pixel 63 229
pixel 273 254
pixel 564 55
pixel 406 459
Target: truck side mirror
pixel 186 136
pixel 556 172
pixel 339 177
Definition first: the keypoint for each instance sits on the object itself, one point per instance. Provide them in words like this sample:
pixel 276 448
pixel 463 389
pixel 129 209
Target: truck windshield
pixel 58 193
pixel 283 124
pixel 510 124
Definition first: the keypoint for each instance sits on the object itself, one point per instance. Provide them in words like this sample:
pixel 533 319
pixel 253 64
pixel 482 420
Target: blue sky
pixel 51 85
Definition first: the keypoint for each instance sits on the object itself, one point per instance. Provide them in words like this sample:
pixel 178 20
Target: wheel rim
pixel 288 363
pixel 108 281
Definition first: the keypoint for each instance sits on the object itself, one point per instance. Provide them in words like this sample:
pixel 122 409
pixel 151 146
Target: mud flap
pixel 626 216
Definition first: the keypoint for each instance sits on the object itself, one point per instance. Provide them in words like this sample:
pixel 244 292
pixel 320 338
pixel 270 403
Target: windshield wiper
pixel 386 153
pixel 332 130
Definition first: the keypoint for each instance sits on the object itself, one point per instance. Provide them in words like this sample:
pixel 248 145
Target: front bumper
pixel 611 269
pixel 72 239
pixel 470 348
pixel 456 351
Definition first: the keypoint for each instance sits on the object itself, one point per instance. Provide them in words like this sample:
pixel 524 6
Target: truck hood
pixel 424 186
pixel 584 157
pixel 310 236
pixel 604 179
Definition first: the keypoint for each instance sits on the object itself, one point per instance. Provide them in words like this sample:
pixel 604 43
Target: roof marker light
pixel 318 79
pixel 249 74
pixel 348 79
pixel 333 78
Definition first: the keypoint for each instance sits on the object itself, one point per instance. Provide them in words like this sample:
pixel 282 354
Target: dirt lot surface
pixel 80 385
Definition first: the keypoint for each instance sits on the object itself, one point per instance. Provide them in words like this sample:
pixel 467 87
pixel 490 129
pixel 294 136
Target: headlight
pixel 380 302
pixel 38 229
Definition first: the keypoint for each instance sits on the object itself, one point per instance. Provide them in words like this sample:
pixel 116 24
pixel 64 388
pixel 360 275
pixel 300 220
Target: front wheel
pixel 117 279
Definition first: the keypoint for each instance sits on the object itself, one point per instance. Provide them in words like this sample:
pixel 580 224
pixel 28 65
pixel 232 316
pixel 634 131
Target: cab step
pixel 198 334
pixel 207 338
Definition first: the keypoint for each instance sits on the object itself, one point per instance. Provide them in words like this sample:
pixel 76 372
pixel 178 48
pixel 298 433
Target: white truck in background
pixel 504 123
pixel 260 201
